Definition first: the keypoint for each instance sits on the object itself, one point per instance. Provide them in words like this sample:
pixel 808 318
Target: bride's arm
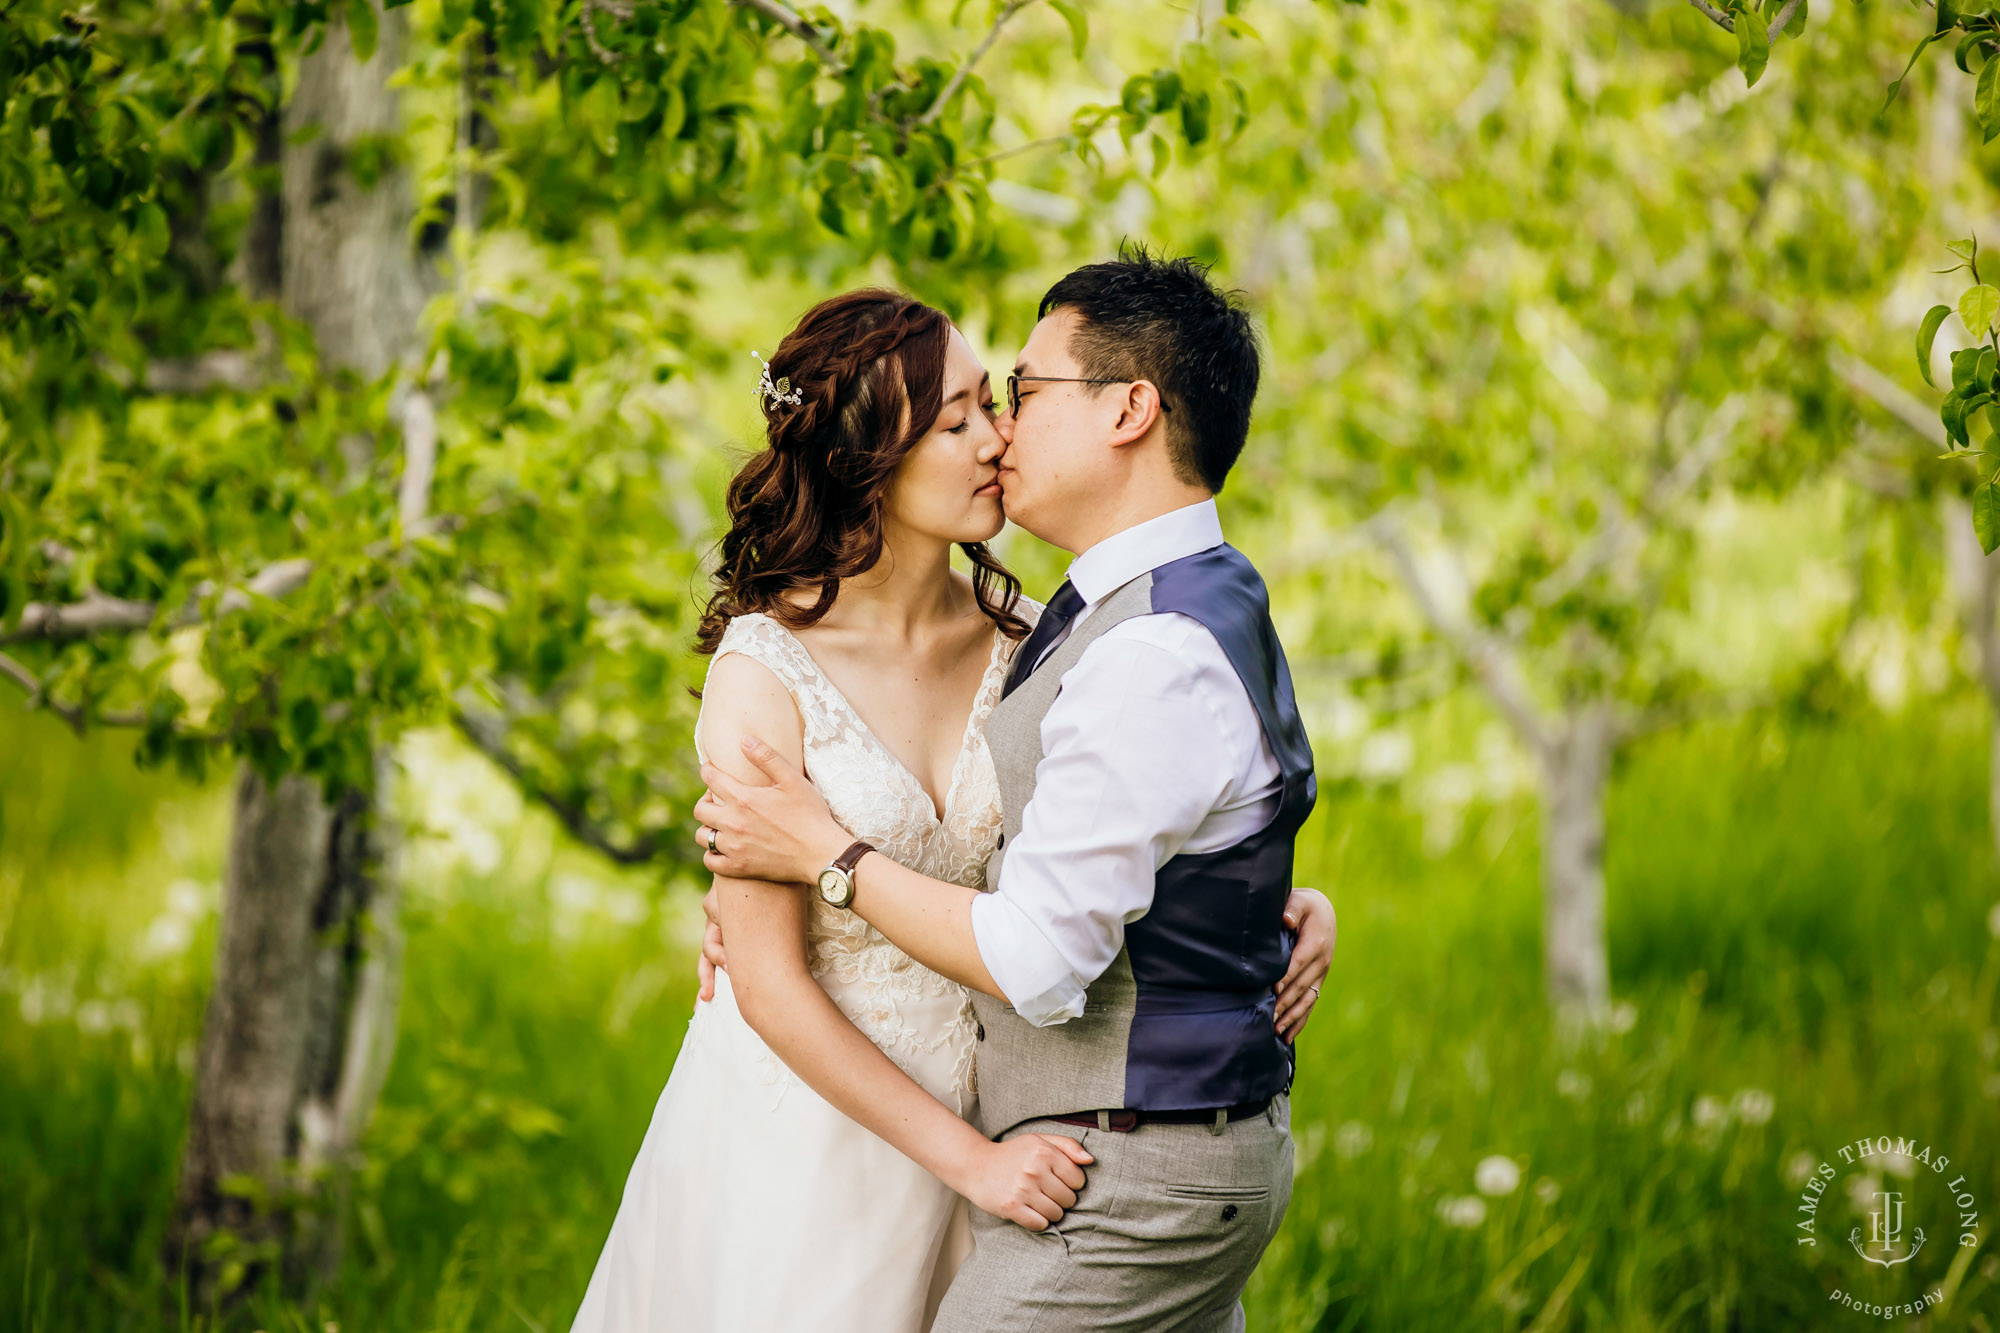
pixel 1030 1179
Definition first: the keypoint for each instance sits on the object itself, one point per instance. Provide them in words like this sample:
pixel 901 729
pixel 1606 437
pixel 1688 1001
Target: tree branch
pixel 1490 660
pixel 74 716
pixel 1728 24
pixel 958 76
pixel 792 23
pixel 605 55
pixel 99 614
pixel 1714 15
pixel 1619 528
pixel 1891 397
pixel 487 733
pixel 420 439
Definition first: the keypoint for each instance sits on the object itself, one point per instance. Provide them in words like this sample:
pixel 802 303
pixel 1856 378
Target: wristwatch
pixel 836 882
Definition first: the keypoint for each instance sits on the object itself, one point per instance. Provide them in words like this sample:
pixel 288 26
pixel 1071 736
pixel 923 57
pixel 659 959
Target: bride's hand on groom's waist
pixel 711 959
pixel 1030 1180
pixel 1309 913
pixel 781 832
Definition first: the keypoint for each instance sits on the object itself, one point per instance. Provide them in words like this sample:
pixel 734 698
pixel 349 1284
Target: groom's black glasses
pixel 1014 383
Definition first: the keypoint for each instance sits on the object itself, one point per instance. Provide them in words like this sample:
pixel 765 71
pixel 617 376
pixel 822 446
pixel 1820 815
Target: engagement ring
pixel 711 842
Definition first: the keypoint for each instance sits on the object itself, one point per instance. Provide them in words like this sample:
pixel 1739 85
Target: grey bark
pixel 253 1040
pixel 300 1028
pixel 349 272
pixel 1576 771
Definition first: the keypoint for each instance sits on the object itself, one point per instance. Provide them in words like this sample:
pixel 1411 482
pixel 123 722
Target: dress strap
pixel 765 641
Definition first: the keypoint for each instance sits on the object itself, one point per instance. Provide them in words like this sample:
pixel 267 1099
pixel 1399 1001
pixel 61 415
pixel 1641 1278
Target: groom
pixel 1153 773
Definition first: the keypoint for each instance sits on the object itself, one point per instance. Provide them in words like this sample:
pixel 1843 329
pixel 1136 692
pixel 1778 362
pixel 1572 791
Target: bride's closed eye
pixel 987 407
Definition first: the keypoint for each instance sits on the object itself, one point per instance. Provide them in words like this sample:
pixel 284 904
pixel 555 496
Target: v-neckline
pixel 936 813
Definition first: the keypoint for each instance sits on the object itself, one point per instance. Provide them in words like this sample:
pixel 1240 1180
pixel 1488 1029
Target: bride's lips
pixel 990 488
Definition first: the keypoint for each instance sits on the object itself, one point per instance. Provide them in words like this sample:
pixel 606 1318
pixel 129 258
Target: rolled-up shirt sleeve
pixel 1136 753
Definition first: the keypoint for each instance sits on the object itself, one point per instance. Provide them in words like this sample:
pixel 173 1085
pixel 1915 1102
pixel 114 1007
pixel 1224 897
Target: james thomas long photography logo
pixel 1881 1202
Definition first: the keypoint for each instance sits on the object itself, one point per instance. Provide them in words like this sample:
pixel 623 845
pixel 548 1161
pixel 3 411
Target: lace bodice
pixel 876 798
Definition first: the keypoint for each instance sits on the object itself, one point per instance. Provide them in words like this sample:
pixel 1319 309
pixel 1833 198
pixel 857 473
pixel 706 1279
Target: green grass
pixel 1797 910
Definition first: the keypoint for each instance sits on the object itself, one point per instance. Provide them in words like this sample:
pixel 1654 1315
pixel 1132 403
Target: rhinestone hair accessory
pixel 780 392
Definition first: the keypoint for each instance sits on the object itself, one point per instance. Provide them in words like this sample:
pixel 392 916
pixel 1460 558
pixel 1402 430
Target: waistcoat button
pixel 1229 1213
pixel 982 1031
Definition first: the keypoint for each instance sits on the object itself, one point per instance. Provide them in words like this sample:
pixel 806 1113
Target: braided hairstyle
pixel 807 512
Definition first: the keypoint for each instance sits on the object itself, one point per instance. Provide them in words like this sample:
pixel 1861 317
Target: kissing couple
pixel 1005 888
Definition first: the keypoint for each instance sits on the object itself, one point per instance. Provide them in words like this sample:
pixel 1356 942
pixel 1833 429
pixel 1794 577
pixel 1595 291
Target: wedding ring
pixel 1314 990
pixel 711 842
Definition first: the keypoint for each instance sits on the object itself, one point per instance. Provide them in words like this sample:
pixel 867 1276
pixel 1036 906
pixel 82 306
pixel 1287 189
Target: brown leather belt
pixel 1124 1120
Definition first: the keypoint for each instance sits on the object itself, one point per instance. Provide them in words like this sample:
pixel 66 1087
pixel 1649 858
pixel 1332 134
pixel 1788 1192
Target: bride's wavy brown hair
pixel 806 512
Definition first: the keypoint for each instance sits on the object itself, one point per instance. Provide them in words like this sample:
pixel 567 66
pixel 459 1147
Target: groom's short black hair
pixel 1145 317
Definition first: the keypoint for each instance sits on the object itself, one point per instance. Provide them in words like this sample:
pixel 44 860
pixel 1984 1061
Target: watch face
pixel 834 887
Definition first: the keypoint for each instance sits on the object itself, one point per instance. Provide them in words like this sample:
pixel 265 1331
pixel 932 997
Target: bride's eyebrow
pixel 985 383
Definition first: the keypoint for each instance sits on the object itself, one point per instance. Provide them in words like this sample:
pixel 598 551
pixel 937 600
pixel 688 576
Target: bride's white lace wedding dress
pixel 754 1206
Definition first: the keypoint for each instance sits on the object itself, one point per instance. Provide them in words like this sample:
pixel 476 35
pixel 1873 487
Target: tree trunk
pixel 1974 579
pixel 301 1024
pixel 297 1037
pixel 1576 769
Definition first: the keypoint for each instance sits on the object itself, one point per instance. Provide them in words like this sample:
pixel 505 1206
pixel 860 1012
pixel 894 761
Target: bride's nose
pixel 993 443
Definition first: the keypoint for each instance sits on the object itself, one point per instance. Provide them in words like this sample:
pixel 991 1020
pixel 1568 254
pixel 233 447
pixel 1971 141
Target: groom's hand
pixel 782 833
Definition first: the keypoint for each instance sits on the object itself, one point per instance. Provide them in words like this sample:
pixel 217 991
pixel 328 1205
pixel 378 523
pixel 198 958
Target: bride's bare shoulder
pixel 745 697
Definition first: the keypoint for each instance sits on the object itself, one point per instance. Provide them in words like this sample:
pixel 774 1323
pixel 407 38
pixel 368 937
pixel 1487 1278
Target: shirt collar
pixel 1124 556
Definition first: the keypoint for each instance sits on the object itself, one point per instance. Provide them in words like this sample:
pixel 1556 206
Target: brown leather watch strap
pixel 851 858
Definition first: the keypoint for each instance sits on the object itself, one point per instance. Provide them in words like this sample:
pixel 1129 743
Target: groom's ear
pixel 1138 410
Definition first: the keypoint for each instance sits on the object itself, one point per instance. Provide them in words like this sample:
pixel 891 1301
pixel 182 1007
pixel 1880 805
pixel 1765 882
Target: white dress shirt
pixel 1151 748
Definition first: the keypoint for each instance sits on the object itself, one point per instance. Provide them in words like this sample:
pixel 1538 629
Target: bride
pixel 809 1163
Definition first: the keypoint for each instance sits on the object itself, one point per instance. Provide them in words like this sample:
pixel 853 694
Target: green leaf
pixel 1947 17
pixel 150 233
pixel 1977 307
pixel 830 215
pixel 1966 46
pixel 1926 336
pixel 1951 414
pixel 1195 117
pixel 1986 515
pixel 1897 86
pixel 1753 45
pixel 362 28
pixel 1986 99
pixel 599 112
pixel 1964 249
pixel 1079 24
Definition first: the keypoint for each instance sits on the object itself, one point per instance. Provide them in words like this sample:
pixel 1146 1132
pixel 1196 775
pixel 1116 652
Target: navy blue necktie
pixel 1062 609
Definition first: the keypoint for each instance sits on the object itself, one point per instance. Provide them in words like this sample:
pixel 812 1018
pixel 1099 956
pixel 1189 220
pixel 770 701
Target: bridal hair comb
pixel 781 392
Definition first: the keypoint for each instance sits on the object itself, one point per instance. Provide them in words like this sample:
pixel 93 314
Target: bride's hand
pixel 1310 913
pixel 711 959
pixel 1028 1180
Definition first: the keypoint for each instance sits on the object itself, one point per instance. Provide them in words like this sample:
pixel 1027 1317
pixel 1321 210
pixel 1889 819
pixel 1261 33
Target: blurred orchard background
pixel 368 383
